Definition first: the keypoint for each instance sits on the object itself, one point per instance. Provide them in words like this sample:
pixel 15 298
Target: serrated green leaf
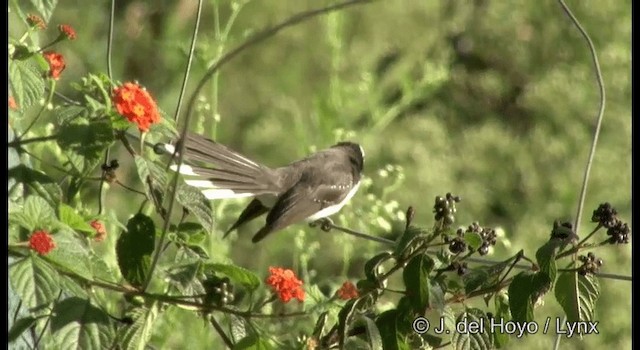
pixel 20 326
pixel 237 274
pixel 416 281
pixel 372 266
pixel 501 302
pixel 387 327
pixel 69 217
pixel 524 291
pixel 136 336
pixel 40 183
pixel 546 258
pixel 45 8
pixel 84 143
pixel 485 276
pixel 72 288
pixel 67 114
pixel 197 204
pixel 471 338
pixel 76 324
pixel 185 278
pixel 34 281
pixel 26 83
pixel 134 249
pixel 253 342
pixel 36 213
pixel 238 327
pixel 406 240
pixel 577 295
pixel 148 169
pixel 71 254
pixel 100 269
pixel 344 317
pixel 373 334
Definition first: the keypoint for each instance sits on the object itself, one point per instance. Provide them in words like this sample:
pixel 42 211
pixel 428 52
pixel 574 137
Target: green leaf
pixel 84 143
pixel 485 276
pixel 36 213
pixel 76 324
pixel 67 114
pixel 72 219
pixel 197 204
pixel 20 326
pixel 524 291
pixel 26 83
pixel 253 342
pixel 185 278
pixel 501 302
pixel 473 240
pixel 237 274
pixel 147 168
pixel 406 240
pixel 387 326
pixel 45 8
pixel 134 249
pixel 34 281
pixel 577 295
pixel 344 317
pixel 546 258
pixel 71 254
pixel 136 336
pixel 416 281
pixel 372 267
pixel 238 327
pixel 472 338
pixel 38 182
pixel 373 334
pixel 100 269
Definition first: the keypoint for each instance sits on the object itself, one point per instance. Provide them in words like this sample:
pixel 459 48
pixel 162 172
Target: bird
pixel 308 189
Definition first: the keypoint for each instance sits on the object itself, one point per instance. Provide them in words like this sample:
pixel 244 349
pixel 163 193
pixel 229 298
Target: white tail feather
pixel 219 193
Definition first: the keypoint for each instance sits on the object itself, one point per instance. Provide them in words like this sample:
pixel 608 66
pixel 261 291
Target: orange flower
pixel 285 283
pixel 56 63
pixel 12 103
pixel 134 103
pixel 36 21
pixel 42 242
pixel 67 31
pixel 347 291
pixel 101 232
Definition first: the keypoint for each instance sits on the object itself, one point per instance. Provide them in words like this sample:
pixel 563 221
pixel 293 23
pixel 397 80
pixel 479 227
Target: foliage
pixel 493 100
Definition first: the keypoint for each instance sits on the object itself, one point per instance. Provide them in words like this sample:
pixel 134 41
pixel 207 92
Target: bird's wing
pixel 305 199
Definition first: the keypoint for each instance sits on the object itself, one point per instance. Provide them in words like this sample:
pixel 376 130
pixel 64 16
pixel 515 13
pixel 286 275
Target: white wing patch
pixel 328 211
pixel 184 169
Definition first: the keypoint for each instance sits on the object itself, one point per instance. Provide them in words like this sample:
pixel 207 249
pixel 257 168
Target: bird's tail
pixel 220 172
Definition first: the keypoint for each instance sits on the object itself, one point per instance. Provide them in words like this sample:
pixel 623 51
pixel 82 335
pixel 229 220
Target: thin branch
pixel 596 133
pixel 221 332
pixel 192 49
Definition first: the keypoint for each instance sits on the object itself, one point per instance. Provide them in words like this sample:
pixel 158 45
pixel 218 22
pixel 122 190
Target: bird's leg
pixel 325 224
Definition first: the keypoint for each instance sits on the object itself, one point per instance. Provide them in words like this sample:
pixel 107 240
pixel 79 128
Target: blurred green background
pixel 494 101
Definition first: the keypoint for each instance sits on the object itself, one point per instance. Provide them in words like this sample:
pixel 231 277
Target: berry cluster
pixel 619 233
pixel 445 207
pixel 488 237
pixel 607 216
pixel 219 290
pixel 457 245
pixel 590 264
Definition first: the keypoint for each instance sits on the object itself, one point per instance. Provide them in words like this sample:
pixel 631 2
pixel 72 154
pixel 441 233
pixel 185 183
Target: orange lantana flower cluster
pixel 101 232
pixel 285 283
pixel 134 103
pixel 347 291
pixel 67 31
pixel 42 242
pixel 56 63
